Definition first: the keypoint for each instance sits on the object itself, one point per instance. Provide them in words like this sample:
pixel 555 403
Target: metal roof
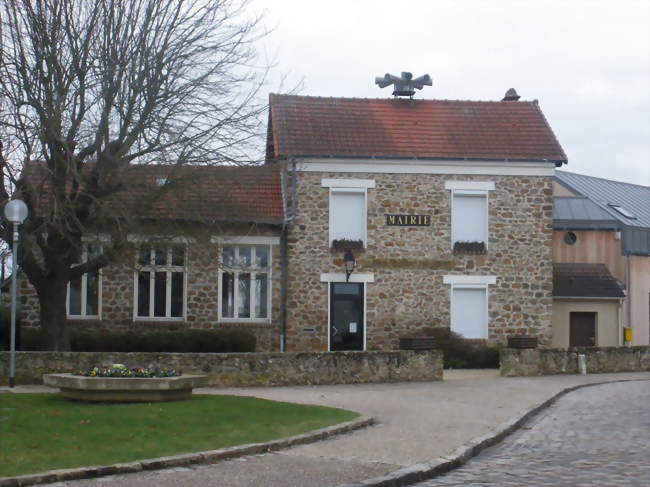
pixel 633 199
pixel 605 192
pixel 571 210
pixel 573 280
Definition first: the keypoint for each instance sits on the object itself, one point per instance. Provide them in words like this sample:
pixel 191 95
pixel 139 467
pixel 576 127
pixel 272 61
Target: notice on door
pixel 353 327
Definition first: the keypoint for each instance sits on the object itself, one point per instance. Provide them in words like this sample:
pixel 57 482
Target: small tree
pixel 90 89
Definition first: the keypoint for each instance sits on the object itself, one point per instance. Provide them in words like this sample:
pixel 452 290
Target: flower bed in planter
pixel 119 384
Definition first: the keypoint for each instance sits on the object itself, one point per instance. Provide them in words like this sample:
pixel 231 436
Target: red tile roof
pixel 190 193
pixel 400 128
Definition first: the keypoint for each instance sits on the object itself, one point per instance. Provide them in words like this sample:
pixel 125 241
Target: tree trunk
pixel 52 295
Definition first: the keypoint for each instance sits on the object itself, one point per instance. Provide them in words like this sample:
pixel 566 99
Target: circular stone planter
pixel 125 389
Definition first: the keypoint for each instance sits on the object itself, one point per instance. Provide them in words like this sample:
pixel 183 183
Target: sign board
pixel 408 220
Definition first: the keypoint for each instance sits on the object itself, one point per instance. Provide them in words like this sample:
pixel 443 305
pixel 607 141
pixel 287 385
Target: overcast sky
pixel 587 62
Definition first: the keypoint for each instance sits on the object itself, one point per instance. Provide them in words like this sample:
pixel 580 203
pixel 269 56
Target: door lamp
pixel 350 264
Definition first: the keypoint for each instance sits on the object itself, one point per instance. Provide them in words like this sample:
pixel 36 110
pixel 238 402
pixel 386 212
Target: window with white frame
pixel 469 311
pixel 245 282
pixel 348 214
pixel 469 210
pixel 160 282
pixel 469 217
pixel 84 293
pixel 469 304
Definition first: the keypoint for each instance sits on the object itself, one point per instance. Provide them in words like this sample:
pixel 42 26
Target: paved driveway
pixel 597 436
pixel 418 422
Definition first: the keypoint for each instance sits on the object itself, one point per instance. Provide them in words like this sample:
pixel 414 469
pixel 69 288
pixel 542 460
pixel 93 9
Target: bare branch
pixel 89 90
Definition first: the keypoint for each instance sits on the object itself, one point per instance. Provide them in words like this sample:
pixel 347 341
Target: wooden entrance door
pixel 582 329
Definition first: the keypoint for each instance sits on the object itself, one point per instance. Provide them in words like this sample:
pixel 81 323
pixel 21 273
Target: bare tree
pixel 91 89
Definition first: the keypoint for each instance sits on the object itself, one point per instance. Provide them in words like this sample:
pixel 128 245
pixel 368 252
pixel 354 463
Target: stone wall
pixel 409 263
pixel 534 362
pixel 245 369
pixel 202 281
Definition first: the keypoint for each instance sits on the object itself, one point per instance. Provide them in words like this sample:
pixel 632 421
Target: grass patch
pixel 40 432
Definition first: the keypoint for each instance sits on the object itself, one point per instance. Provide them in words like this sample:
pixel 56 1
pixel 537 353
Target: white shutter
pixel 469 312
pixel 469 218
pixel 348 214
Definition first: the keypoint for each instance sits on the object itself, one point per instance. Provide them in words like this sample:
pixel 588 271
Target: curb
pixel 426 471
pixel 204 457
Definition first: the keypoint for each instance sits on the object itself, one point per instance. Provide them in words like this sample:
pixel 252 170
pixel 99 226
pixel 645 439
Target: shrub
pixel 182 341
pixel 31 339
pixel 5 328
pixel 460 353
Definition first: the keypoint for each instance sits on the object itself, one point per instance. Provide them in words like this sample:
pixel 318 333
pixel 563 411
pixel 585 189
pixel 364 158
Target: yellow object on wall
pixel 628 334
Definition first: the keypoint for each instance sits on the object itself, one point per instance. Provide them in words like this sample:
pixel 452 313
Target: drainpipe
pixel 628 288
pixel 294 190
pixel 290 212
pixel 619 319
pixel 284 279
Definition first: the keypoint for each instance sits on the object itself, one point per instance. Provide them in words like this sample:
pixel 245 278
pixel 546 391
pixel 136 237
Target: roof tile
pixel 399 128
pixel 190 193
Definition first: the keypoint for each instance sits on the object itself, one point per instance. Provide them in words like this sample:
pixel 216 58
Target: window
pixel 570 238
pixel 469 210
pixel 244 279
pixel 348 214
pixel 469 217
pixel 623 211
pixel 469 311
pixel 469 304
pixel 84 293
pixel 160 282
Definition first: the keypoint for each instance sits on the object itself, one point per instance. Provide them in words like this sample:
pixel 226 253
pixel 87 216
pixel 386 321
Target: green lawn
pixel 40 432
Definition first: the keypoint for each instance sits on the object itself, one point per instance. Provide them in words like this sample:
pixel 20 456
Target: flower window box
pixel 345 244
pixel 472 248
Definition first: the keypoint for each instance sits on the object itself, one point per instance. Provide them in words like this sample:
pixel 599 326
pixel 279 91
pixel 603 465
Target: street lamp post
pixel 15 212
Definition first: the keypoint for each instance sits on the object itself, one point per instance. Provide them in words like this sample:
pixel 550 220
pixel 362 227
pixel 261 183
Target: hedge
pixel 183 341
pixel 199 341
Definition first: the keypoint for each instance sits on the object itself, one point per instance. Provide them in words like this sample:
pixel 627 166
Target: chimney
pixel 511 95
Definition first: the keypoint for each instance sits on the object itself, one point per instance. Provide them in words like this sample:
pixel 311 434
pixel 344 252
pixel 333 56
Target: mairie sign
pixel 408 220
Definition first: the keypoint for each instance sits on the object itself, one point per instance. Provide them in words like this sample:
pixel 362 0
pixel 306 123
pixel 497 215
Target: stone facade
pixel 533 362
pixel 202 293
pixel 245 369
pixel 409 263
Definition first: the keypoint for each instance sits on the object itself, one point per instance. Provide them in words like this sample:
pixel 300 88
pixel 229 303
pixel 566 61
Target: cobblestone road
pixel 596 436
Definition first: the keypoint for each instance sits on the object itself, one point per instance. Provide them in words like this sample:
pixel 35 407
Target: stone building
pixel 206 255
pixel 446 208
pixel 371 220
